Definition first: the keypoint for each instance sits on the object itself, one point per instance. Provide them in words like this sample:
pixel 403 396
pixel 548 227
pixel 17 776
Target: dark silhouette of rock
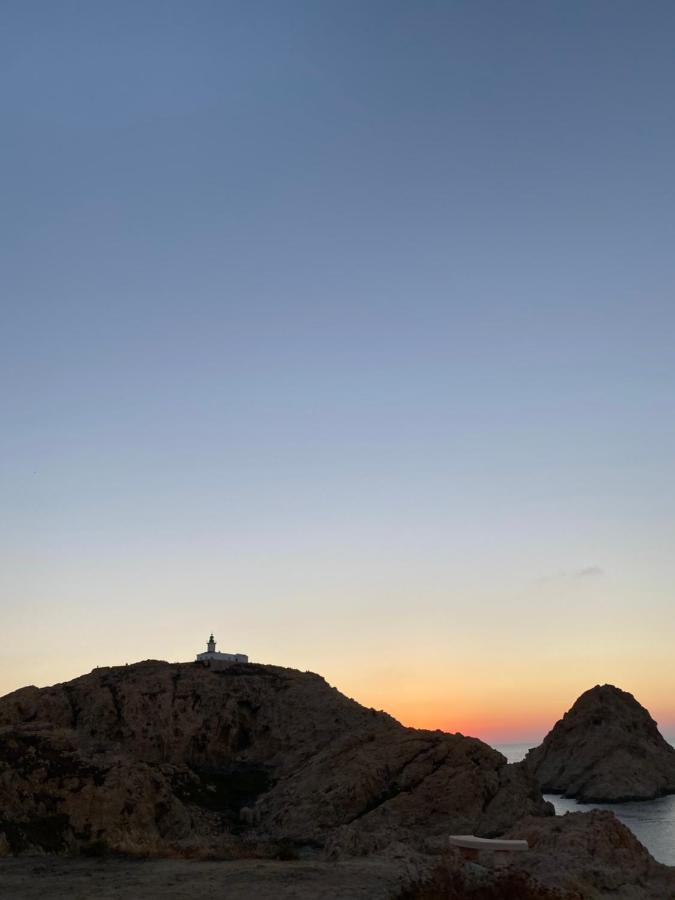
pixel 606 748
pixel 235 760
pixel 591 855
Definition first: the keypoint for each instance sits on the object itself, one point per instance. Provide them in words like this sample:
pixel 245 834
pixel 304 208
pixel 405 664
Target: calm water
pixel 651 821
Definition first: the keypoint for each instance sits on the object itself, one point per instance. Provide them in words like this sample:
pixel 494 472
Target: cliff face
pixel 231 759
pixel 606 748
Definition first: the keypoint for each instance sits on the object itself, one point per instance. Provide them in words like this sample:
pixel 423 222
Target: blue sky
pixel 333 327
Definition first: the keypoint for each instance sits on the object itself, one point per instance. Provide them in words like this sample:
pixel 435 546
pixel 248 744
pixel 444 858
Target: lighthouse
pixel 211 654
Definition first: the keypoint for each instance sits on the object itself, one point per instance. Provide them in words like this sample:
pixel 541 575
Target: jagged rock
pixel 606 748
pixel 591 855
pixel 230 760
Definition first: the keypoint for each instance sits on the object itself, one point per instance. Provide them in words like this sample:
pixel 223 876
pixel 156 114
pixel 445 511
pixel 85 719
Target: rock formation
pixel 579 856
pixel 236 760
pixel 606 748
pixel 591 855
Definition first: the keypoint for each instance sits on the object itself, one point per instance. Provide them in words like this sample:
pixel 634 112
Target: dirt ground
pixel 57 878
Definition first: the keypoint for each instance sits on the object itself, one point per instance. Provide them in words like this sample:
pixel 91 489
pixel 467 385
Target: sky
pixel 343 330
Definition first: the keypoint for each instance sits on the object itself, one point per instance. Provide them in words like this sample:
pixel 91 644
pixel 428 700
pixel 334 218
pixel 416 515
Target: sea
pixel 651 821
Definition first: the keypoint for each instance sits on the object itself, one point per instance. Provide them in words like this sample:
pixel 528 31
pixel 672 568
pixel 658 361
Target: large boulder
pixel 606 748
pixel 232 759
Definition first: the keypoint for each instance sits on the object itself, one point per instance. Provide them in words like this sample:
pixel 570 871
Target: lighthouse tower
pixel 211 654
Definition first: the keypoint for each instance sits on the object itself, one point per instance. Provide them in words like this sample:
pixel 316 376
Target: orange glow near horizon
pixel 499 725
pixel 508 725
pixel 505 713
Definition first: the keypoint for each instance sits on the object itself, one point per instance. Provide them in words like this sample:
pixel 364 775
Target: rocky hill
pixel 233 759
pixel 606 748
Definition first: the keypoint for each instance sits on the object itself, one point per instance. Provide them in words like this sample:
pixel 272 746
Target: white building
pixel 221 657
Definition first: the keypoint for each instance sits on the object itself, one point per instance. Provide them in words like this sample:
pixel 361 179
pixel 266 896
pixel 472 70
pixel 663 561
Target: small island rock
pixel 605 749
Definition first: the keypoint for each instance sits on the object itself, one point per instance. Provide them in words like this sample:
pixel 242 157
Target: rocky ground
pixel 605 749
pixel 581 856
pixel 57 878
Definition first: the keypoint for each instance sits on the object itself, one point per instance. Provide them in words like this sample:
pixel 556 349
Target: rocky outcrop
pixel 591 855
pixel 607 748
pixel 579 856
pixel 232 760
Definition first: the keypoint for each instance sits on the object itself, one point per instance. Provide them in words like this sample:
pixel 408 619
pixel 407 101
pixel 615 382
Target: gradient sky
pixel 345 330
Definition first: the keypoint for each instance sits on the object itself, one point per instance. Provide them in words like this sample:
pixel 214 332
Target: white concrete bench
pixel 471 846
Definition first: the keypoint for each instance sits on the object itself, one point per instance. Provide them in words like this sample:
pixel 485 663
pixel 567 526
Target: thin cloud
pixel 586 572
pixel 589 572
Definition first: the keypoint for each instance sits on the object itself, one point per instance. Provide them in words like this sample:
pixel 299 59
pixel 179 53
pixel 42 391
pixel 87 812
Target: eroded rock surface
pixel 606 748
pixel 233 760
pixel 591 855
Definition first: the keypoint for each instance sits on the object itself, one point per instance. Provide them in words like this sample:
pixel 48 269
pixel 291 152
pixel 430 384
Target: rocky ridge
pixel 606 748
pixel 236 760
